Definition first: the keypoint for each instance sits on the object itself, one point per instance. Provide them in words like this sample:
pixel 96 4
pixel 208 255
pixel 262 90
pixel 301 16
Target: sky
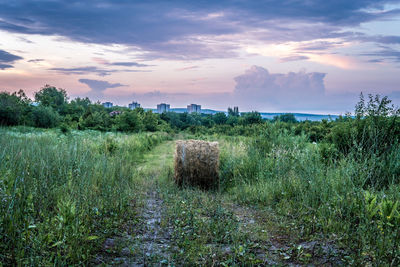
pixel 312 56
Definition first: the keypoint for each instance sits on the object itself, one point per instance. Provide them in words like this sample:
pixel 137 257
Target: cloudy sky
pixel 311 56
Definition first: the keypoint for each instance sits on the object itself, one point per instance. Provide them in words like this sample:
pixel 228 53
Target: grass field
pixel 105 198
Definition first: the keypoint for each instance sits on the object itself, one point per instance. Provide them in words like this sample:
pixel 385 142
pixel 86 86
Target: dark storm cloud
pixel 6 59
pixel 5 66
pixel 97 85
pixel 379 39
pixel 171 29
pixel 385 54
pixel 391 39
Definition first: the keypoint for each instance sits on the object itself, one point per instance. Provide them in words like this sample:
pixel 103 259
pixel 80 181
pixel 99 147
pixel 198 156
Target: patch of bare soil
pixel 277 246
pixel 144 243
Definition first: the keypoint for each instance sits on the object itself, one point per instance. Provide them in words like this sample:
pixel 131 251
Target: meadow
pixel 289 192
pixel 61 194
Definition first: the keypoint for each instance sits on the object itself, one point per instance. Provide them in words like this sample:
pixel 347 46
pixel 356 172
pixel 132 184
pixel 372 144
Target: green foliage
pixel 328 152
pixel 130 121
pixel 232 112
pixel 250 118
pixel 14 108
pixel 76 108
pixel 207 121
pixel 232 120
pixel 61 196
pixel 372 137
pixel 182 121
pixel 150 121
pixel 45 117
pixel 288 117
pixel 109 146
pixel 95 118
pixel 322 188
pixel 316 131
pixel 64 128
pixel 220 118
pixel 50 96
pixel 205 230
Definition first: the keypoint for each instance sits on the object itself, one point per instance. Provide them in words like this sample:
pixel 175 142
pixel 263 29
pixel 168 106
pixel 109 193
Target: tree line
pixel 52 108
pixel 373 117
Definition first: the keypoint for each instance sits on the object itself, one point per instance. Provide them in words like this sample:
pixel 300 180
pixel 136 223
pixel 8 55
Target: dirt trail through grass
pixel 186 227
pixel 145 240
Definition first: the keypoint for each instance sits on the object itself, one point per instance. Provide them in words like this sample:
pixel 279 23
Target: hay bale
pixel 196 163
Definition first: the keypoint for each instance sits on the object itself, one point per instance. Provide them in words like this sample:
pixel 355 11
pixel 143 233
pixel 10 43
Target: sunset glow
pixel 182 53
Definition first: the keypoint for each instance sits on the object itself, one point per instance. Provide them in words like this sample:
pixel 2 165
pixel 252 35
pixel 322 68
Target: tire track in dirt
pixel 153 237
pixel 146 240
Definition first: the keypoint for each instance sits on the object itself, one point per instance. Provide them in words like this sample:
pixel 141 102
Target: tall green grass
pixel 321 194
pixel 61 195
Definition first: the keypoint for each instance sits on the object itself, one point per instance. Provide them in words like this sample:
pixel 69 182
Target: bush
pixel 95 120
pixel 328 152
pixel 45 117
pixel 64 128
pixel 13 108
pixel 150 121
pixel 288 117
pixel 129 121
pixel 250 118
pixel 220 118
pixel 50 96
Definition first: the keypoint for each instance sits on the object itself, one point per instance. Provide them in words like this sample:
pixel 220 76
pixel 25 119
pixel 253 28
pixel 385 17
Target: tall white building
pixel 193 108
pixel 134 105
pixel 161 108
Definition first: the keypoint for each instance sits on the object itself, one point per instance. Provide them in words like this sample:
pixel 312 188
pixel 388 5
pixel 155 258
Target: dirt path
pixel 153 237
pixel 177 227
pixel 146 240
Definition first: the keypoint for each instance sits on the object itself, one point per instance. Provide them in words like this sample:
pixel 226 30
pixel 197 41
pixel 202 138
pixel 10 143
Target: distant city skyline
pixel 194 108
pixel 272 56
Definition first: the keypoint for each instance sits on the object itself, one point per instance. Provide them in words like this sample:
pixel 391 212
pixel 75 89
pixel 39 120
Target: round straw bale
pixel 196 163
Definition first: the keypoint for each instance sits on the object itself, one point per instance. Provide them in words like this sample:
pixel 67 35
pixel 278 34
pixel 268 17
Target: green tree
pixel 14 108
pixel 288 117
pixel 50 96
pixel 220 118
pixel 250 118
pixel 150 121
pixel 231 112
pixel 232 120
pixel 173 119
pixel 75 109
pixel 45 117
pixel 129 121
pixel 95 118
pixel 207 121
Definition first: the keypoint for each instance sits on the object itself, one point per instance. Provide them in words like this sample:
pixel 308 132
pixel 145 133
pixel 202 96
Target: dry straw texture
pixel 196 163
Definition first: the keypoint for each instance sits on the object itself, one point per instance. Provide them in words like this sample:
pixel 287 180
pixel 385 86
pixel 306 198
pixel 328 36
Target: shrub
pixel 129 121
pixel 45 117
